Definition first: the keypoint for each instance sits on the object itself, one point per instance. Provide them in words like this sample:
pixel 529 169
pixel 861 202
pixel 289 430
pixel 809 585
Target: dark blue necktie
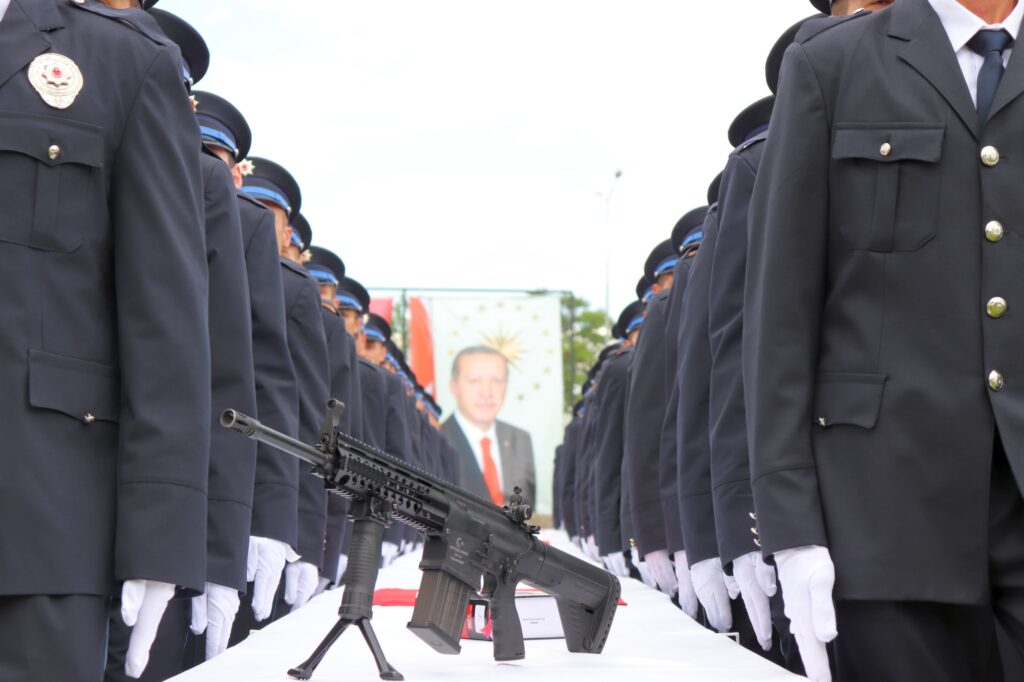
pixel 990 45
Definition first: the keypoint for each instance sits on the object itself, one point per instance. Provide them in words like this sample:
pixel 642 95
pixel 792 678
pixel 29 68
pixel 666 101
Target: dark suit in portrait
pixel 517 466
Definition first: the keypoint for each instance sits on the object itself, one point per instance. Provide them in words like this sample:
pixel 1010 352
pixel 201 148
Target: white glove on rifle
pixel 808 575
pixel 709 584
pixel 300 581
pixel 388 553
pixel 757 584
pixel 645 573
pixel 615 563
pixel 263 568
pixel 662 571
pixel 143 603
pixel 688 601
pixel 214 612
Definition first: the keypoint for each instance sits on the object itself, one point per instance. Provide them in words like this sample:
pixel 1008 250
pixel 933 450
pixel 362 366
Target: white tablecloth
pixel 650 640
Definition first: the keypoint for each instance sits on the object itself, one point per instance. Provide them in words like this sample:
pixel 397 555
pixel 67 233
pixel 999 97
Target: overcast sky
pixel 444 143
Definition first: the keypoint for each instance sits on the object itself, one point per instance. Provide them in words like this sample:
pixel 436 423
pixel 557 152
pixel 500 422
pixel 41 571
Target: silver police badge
pixel 56 78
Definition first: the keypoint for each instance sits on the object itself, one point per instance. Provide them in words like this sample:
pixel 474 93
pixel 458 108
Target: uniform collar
pixel 961 24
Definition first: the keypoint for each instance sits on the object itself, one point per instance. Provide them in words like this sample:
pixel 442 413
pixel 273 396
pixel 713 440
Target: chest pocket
pixel 887 182
pixel 53 188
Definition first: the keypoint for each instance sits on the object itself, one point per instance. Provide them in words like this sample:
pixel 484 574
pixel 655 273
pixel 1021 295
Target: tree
pixel 584 333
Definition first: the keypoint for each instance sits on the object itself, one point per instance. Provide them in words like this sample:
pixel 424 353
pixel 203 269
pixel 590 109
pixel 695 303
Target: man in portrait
pixel 494 457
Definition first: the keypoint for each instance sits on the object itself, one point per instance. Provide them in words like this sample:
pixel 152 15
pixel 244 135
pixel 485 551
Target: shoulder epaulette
pixel 135 19
pixel 816 27
pixel 760 137
pixel 295 267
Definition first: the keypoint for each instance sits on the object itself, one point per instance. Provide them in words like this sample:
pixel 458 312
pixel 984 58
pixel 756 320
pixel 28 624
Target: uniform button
pixel 886 149
pixel 754 531
pixel 88 418
pixel 823 422
pixel 994 231
pixel 996 381
pixel 753 516
pixel 757 542
pixel 53 152
pixel 996 307
pixel 989 156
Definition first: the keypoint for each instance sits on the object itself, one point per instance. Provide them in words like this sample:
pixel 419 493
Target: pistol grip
pixel 507 631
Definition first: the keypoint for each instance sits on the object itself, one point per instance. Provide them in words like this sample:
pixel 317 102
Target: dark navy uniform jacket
pixel 232 463
pixel 693 444
pixel 645 415
pixel 104 341
pixel 730 463
pixel 276 484
pixel 340 354
pixel 567 479
pixel 607 483
pixel 307 345
pixel 667 448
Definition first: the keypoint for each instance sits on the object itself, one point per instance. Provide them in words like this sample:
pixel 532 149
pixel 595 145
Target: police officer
pixel 328 269
pixel 739 547
pixel 105 454
pixel 685 239
pixel 901 409
pixel 273 533
pixel 644 416
pixel 607 490
pixel 274 186
pixel 231 463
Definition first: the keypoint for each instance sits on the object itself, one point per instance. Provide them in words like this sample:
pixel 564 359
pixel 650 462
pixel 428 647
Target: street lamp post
pixel 608 245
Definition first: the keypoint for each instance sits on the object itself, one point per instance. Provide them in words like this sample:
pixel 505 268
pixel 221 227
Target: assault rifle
pixel 471 546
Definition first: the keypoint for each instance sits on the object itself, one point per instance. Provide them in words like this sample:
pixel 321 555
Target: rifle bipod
pixel 357 596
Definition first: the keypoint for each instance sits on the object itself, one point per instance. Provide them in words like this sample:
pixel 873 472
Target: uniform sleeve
pixel 730 468
pixel 232 459
pixel 645 416
pixel 782 313
pixel 164 343
pixel 607 491
pixel 276 481
pixel 696 511
pixel 308 345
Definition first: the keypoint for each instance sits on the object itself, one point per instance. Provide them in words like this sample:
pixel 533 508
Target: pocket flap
pixel 886 143
pixel 848 398
pixel 74 387
pixel 74 141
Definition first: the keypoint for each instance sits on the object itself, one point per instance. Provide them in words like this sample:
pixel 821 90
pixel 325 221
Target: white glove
pixel 143 603
pixel 709 584
pixel 645 573
pixel 807 575
pixel 575 539
pixel 591 548
pixel 757 584
pixel 342 565
pixel 300 579
pixel 615 563
pixel 662 571
pixel 214 612
pixel 388 553
pixel 263 568
pixel 321 585
pixel 688 601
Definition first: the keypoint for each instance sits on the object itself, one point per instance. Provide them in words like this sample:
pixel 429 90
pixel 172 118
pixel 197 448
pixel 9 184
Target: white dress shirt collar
pixel 962 24
pixel 4 4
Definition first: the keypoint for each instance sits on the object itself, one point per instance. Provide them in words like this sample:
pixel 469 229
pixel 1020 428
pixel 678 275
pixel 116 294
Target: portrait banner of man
pixel 498 365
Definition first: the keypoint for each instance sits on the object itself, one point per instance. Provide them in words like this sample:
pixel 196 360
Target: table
pixel 650 639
